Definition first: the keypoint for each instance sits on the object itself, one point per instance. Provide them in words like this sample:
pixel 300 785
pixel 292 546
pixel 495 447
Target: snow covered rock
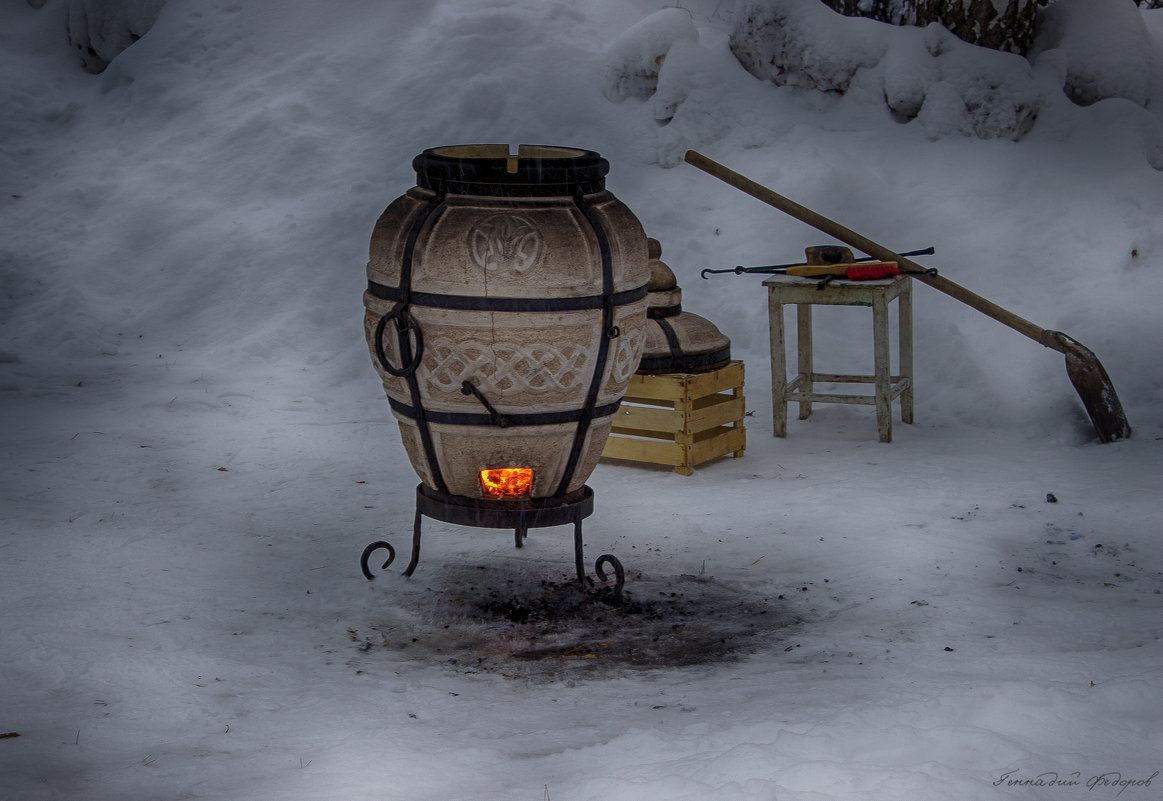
pixel 100 29
pixel 692 72
pixel 1109 52
pixel 951 86
pixel 804 43
pixel 998 93
pixel 635 58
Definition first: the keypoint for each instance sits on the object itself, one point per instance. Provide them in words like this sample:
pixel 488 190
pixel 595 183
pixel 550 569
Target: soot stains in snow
pixel 552 629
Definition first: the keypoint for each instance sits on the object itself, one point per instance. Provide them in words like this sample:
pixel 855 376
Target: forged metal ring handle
pixel 404 324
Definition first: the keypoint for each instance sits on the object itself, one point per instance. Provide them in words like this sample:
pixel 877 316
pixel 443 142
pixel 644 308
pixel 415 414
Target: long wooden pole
pixel 850 237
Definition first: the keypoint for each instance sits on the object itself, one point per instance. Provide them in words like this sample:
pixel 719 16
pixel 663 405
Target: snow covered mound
pixel 952 86
pixel 101 29
pixel 1108 50
pixel 1088 49
pixel 804 43
pixel 634 58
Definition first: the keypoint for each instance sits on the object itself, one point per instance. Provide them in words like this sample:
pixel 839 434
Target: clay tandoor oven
pixel 506 314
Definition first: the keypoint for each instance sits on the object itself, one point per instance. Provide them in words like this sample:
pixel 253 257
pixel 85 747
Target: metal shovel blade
pixel 1095 389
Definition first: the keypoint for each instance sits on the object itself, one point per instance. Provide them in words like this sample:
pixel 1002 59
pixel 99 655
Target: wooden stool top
pixel 794 289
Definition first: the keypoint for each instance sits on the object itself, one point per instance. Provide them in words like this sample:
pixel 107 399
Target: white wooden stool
pixel 804 293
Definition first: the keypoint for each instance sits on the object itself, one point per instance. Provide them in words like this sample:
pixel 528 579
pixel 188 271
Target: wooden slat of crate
pixel 677 386
pixel 680 419
pixel 650 418
pixel 726 440
pixel 711 412
pixel 654 451
pixel 716 410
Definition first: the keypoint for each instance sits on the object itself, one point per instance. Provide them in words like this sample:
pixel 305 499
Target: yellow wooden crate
pixel 680 419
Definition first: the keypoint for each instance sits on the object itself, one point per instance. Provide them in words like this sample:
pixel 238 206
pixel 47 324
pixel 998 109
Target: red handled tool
pixel 837 262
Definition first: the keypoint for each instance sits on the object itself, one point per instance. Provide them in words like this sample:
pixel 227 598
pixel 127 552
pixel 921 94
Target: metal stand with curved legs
pixel 519 515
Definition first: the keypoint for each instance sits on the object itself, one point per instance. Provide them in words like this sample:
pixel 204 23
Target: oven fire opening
pixel 507 482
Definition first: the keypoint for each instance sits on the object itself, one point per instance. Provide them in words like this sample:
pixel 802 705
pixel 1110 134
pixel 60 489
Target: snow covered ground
pixel 196 448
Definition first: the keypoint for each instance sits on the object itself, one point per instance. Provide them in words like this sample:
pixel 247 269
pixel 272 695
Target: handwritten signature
pixel 1111 779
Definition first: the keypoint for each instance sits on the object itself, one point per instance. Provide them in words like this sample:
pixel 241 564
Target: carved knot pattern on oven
pixel 505 368
pixel 506 243
pixel 627 355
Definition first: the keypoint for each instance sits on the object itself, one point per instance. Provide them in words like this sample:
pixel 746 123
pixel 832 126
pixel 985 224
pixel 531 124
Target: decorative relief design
pixel 501 368
pixel 627 355
pixel 507 243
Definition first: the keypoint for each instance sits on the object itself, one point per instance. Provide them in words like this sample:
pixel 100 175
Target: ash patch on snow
pixel 552 629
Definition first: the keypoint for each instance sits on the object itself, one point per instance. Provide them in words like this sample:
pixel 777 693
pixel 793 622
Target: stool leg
pixel 905 334
pixel 883 373
pixel 804 345
pixel 778 365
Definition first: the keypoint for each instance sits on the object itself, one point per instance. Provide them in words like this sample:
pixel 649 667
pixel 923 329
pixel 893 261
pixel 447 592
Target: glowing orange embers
pixel 507 482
